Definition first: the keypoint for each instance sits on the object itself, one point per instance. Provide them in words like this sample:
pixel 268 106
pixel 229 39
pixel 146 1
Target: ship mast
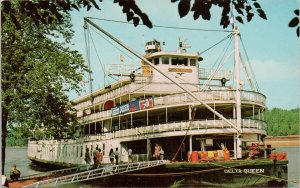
pixel 238 142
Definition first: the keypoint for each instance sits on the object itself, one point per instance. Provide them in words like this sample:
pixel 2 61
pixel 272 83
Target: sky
pixel 272 47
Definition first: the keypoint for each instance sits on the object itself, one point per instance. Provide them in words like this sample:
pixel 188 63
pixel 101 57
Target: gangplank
pixel 59 172
pixel 108 170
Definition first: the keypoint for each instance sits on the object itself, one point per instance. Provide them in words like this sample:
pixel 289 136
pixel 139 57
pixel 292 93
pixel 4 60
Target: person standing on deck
pixel 117 156
pixel 161 153
pixel 130 156
pixel 99 157
pixel 95 153
pixel 87 158
pixel 157 151
pixel 111 156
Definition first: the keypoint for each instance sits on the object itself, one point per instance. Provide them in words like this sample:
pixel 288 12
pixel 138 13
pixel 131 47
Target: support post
pixel 166 115
pixel 234 146
pixel 234 114
pixel 147 117
pixel 148 149
pixel 253 111
pixel 191 144
pixel 214 109
pixel 119 122
pixel 190 112
pixel 131 121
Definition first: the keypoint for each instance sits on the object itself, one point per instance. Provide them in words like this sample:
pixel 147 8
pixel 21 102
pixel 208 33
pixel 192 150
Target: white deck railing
pixel 207 96
pixel 178 126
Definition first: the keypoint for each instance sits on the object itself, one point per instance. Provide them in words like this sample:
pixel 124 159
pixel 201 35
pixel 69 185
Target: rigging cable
pixel 162 26
pixel 225 49
pixel 114 45
pixel 228 36
pixel 251 69
pixel 87 46
pixel 219 66
pixel 102 67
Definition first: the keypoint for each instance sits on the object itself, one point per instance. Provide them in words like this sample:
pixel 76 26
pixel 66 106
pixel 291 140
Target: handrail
pixel 60 171
pixel 213 95
pixel 146 87
pixel 178 126
pixel 108 170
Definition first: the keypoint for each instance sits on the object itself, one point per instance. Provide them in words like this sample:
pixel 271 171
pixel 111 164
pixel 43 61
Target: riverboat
pixel 196 115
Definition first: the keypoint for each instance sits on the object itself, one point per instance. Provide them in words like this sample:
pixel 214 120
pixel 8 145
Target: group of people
pixel 114 155
pixel 97 157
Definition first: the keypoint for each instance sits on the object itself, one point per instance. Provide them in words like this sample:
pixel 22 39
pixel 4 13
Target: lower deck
pixel 234 173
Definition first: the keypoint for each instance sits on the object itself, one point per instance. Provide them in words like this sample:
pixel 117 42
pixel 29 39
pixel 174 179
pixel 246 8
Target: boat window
pixel 156 61
pixel 165 60
pixel 174 61
pixel 179 61
pixel 192 62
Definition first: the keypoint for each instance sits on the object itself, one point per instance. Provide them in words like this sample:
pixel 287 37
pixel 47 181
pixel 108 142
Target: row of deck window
pixel 174 61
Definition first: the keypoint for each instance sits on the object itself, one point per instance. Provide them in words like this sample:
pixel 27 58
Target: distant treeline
pixel 282 122
pixel 16 137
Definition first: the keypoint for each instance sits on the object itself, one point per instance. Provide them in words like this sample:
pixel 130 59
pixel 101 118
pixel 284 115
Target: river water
pixel 18 156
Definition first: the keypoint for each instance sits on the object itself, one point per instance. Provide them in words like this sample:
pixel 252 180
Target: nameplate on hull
pixel 180 70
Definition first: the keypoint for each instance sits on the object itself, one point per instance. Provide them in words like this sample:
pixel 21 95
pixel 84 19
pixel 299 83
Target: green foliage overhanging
pixel 38 68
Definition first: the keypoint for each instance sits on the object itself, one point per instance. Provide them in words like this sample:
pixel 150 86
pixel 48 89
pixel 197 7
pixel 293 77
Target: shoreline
pixel 16 147
pixel 283 141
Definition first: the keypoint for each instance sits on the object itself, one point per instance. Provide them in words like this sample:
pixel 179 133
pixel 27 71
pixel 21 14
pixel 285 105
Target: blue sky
pixel 272 47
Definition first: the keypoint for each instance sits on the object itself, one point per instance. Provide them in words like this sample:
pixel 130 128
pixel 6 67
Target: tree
pixel 282 122
pixel 200 8
pixel 295 22
pixel 37 69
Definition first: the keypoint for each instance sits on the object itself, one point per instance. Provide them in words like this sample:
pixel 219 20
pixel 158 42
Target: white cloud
pixel 279 81
pixel 273 70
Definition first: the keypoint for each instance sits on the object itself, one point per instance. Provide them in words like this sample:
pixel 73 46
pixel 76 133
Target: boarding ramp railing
pixel 55 172
pixel 107 170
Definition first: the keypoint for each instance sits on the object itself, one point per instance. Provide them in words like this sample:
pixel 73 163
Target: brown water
pixel 18 156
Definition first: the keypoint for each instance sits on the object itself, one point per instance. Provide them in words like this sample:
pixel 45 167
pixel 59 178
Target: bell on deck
pixel 223 82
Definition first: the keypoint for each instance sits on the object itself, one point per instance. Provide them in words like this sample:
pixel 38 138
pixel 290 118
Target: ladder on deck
pixel 108 170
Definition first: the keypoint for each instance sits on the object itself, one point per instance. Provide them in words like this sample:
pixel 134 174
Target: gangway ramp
pixel 108 170
pixel 59 172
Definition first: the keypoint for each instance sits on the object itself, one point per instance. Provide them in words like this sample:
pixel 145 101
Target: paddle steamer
pixel 195 114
